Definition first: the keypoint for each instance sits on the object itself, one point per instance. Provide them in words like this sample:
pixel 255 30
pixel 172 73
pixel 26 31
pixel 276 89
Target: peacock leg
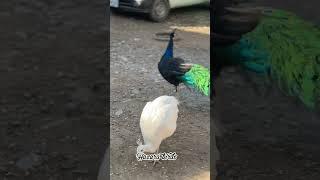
pixel 176 88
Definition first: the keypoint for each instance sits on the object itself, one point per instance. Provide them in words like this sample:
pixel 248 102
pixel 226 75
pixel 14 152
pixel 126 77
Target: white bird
pixel 158 121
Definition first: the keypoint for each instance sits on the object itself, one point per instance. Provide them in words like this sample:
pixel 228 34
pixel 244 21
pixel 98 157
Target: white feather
pixel 158 121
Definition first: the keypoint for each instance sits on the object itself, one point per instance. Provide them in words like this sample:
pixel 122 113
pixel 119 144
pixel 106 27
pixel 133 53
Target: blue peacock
pixel 275 44
pixel 175 70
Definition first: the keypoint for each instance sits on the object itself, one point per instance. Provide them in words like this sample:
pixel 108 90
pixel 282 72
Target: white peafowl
pixel 158 121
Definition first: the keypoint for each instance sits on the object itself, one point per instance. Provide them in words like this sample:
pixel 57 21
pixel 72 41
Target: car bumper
pixel 129 5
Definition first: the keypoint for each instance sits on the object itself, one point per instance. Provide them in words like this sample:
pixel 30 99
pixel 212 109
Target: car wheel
pixel 159 10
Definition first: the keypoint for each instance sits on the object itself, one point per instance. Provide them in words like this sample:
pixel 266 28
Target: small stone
pixel 231 172
pixel 72 107
pixel 45 109
pixel 27 95
pixel 4 110
pixel 52 36
pixel 124 58
pixel 60 74
pixel 12 146
pixel 15 123
pixel 119 112
pixel 299 155
pixel 293 124
pixel 135 91
pixel 10 174
pixel 261 106
pixel 22 35
pixel 27 173
pixel 280 171
pixel 52 124
pixel 28 161
pixel 10 69
pixel 80 171
pixel 68 165
pixel 267 121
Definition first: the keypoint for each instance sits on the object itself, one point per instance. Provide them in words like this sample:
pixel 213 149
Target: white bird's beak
pixel 139 142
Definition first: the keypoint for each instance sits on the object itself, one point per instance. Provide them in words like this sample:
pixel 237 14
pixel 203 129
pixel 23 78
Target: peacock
pixel 158 121
pixel 175 71
pixel 271 43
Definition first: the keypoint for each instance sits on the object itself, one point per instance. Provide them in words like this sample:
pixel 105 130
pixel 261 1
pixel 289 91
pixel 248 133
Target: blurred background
pixel 267 138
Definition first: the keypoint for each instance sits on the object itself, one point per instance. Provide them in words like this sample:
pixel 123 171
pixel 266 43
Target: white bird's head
pixel 140 148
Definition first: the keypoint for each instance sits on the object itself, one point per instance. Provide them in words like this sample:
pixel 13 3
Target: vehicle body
pixel 158 10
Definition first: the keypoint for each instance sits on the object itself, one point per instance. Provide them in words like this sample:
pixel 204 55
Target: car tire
pixel 159 10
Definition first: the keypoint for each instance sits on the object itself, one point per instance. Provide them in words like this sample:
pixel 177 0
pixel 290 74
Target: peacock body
pixel 282 47
pixel 175 70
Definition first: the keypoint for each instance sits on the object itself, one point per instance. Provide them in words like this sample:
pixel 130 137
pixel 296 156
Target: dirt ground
pixel 270 137
pixel 135 80
pixel 52 89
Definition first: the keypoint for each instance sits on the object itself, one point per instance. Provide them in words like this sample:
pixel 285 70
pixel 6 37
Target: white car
pixel 158 10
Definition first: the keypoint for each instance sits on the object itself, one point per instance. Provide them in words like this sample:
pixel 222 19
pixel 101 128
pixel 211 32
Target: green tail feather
pixel 198 77
pixel 288 49
pixel 293 46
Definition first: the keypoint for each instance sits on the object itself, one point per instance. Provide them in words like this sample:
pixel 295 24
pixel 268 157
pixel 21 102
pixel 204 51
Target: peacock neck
pixel 169 51
pixel 252 56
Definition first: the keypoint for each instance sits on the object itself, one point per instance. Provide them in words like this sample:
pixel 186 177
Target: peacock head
pixel 173 32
